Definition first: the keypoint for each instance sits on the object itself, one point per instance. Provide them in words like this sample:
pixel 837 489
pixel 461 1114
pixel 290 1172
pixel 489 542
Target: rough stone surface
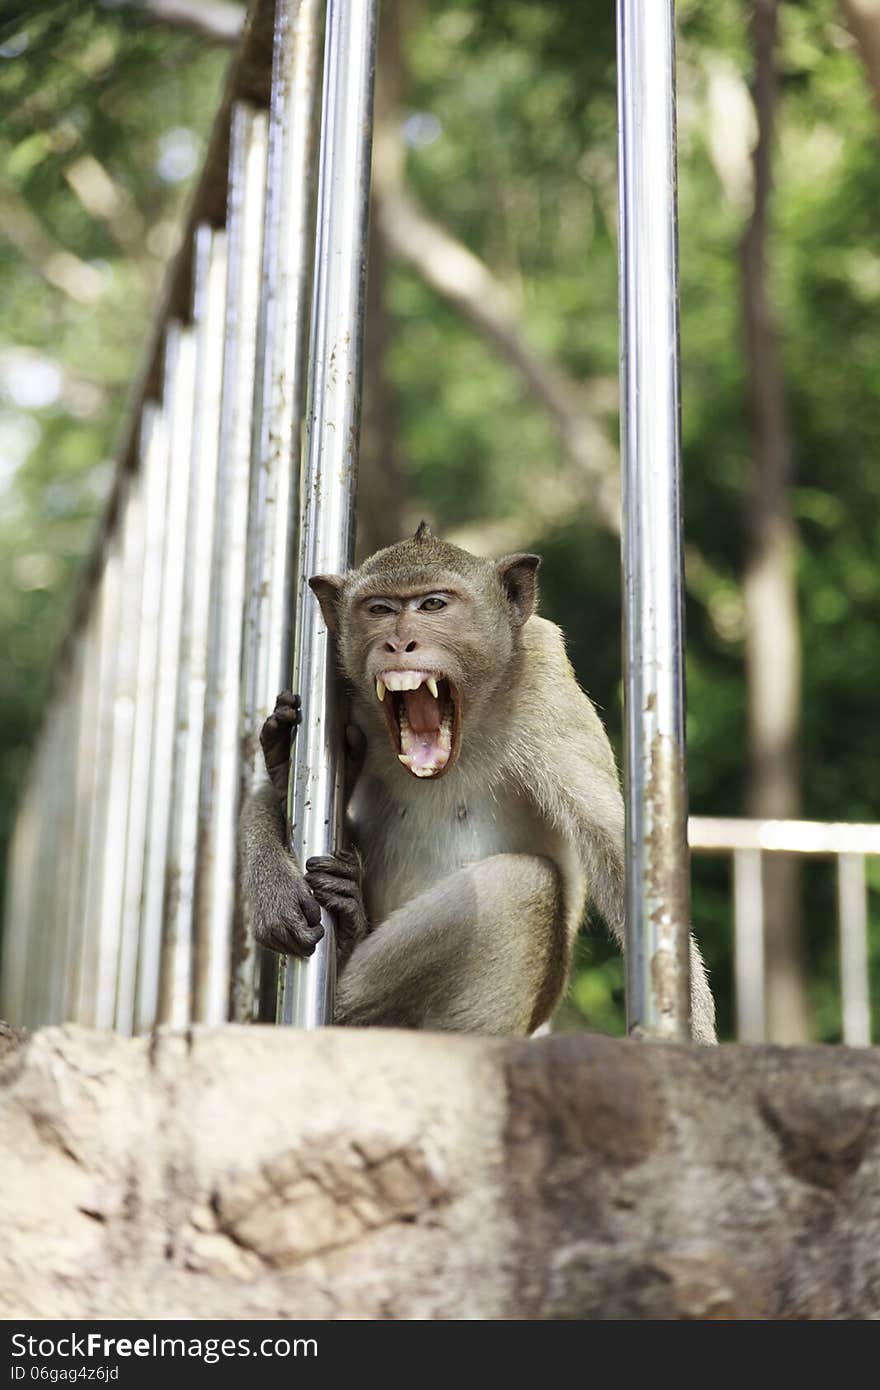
pixel 255 1172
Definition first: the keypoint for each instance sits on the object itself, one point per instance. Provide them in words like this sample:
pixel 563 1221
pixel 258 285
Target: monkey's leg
pixel 482 951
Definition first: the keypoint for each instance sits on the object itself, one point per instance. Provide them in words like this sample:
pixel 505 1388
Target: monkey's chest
pixel 412 844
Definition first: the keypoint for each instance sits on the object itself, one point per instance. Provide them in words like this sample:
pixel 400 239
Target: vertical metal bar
pixel 108 925
pixel 18 916
pixel 61 719
pixel 658 887
pixel 65 848
pixel 35 949
pixel 329 479
pixel 86 737
pixel 278 405
pixel 220 781
pixel 154 470
pixel 20 959
pixel 852 911
pixel 177 399
pixel 108 602
pixel 175 1003
pixel 748 943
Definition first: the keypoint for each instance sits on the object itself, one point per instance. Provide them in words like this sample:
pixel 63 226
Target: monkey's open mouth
pixel 421 710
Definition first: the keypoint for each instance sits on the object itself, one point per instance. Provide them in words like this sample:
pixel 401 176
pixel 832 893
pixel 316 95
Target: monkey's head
pixel 430 632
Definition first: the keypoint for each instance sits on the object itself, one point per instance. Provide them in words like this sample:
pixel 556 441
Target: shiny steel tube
pixel 748 945
pixel 108 925
pixel 67 714
pixel 658 887
pixel 220 781
pixel 67 847
pixel 329 476
pixel 18 906
pixel 108 603
pixel 176 976
pixel 153 447
pixel 35 955
pixel 282 340
pixel 86 749
pixel 852 909
pixel 177 404
pixel 38 952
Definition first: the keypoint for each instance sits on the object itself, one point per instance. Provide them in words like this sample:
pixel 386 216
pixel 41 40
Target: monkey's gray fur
pixel 462 909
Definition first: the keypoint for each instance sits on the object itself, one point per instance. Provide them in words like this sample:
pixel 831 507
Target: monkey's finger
pixel 285 716
pixel 288 944
pixel 323 885
pixel 311 911
pixel 287 697
pixel 300 931
pixel 345 864
pixel 345 909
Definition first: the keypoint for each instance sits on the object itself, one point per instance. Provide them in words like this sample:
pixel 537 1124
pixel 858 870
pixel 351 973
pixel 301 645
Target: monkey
pixel 485 807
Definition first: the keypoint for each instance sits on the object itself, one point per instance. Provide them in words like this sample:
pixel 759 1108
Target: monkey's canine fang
pixel 422 714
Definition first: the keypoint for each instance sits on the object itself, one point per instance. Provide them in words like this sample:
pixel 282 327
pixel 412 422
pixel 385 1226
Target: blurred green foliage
pixel 510 123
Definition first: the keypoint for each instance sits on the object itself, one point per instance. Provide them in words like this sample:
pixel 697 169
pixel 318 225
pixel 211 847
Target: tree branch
pixel 465 282
pixel 863 21
pixel 219 20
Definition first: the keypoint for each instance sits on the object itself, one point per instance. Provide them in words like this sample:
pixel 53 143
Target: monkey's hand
pixel 276 737
pixel 337 882
pixel 285 916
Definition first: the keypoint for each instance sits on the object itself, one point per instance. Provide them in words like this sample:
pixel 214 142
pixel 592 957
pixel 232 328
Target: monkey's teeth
pixel 403 680
pixel 432 686
pixel 380 690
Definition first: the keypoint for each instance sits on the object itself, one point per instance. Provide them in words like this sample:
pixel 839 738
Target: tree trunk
pixel 380 485
pixel 773 660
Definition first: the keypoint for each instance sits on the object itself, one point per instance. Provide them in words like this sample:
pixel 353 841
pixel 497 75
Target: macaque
pixel 485 811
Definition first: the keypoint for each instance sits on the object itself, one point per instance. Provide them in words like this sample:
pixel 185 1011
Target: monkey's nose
pixel 400 644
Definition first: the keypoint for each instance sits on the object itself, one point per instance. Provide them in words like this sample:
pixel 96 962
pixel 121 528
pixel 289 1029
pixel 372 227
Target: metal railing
pixel 122 903
pixel 236 480
pixel 746 842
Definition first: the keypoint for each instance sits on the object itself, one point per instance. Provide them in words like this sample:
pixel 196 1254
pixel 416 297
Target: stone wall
pixel 259 1172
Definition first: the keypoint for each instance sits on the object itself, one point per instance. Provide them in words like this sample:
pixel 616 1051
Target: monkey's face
pixel 427 634
pixel 410 652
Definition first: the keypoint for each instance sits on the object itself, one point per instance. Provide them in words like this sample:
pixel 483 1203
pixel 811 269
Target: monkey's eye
pixel 380 608
pixel 432 605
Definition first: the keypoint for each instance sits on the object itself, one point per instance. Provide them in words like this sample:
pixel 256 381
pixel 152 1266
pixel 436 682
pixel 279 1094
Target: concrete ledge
pixel 260 1173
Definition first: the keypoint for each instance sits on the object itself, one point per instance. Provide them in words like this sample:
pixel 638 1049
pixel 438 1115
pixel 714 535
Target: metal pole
pixel 131 530
pixel 19 895
pixel 218 801
pixel 108 605
pixel 154 468
pixel 658 890
pixel 65 848
pixel 852 903
pixel 177 403
pixel 748 944
pixel 279 402
pixel 329 478
pixel 175 995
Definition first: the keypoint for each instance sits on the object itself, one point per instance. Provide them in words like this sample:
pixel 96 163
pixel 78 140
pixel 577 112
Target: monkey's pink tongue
pixel 425 739
pixel 422 710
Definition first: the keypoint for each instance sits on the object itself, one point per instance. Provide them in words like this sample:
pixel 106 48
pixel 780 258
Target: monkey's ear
pixel 423 532
pixel 328 589
pixel 519 582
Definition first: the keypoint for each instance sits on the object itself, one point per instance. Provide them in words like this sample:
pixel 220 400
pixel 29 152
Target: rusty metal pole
pixel 279 402
pixel 658 877
pixel 329 476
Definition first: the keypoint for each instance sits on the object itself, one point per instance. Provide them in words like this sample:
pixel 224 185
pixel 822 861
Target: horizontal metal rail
pixel 747 841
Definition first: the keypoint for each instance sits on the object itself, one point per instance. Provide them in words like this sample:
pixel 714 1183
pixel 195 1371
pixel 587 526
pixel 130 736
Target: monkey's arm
pixel 578 789
pixel 285 904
